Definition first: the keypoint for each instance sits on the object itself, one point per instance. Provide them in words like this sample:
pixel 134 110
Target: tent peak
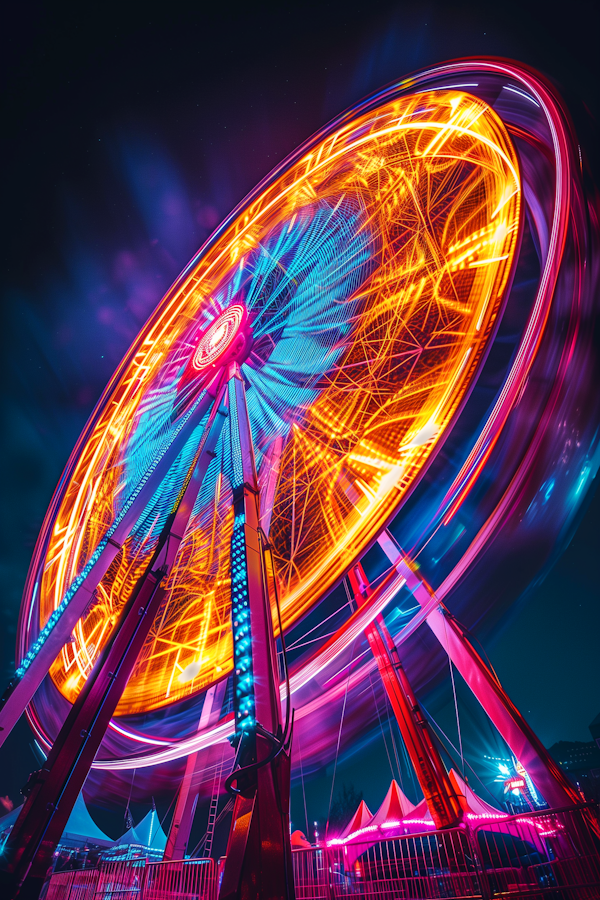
pixel 360 818
pixel 395 806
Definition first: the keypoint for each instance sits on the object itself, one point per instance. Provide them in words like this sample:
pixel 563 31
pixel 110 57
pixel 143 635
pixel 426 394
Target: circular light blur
pixel 373 267
pixel 217 338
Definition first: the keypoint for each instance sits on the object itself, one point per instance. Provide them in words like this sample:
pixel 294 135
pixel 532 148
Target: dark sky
pixel 130 131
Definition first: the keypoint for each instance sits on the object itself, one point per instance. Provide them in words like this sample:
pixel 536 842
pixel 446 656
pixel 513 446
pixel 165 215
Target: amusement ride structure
pixel 384 353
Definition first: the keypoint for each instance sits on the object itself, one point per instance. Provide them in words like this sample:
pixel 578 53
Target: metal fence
pixel 312 869
pixel 437 865
pixel 120 879
pixel 76 885
pixel 550 855
pixel 138 879
pixel 190 879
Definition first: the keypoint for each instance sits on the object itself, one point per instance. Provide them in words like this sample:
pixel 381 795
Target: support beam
pixel 442 802
pixel 187 796
pixel 545 773
pixel 53 791
pixel 259 862
pixel 269 478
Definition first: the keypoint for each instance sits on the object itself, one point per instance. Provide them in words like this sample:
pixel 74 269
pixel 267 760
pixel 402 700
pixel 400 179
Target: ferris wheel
pixel 311 376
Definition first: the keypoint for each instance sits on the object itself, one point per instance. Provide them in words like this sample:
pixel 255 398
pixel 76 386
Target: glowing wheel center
pixel 218 337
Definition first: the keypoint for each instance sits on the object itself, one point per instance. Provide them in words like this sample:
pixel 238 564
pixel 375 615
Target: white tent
pixel 361 817
pixel 147 834
pixel 420 816
pixel 470 803
pixel 150 831
pixel 473 807
pixel 394 808
pixel 81 828
pixel 130 837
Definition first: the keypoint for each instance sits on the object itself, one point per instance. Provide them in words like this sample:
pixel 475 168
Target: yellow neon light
pixel 437 180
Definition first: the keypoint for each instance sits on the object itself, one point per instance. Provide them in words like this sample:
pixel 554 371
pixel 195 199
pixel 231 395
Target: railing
pixel 119 879
pixel 437 865
pixel 312 874
pixel 137 879
pixel 190 879
pixel 76 885
pixel 550 855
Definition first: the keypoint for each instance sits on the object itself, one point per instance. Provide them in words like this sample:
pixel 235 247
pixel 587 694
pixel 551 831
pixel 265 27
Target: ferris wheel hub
pixel 228 337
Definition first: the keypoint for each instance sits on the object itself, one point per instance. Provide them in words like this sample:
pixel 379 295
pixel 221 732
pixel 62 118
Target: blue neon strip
pixel 78 581
pixel 237 473
pixel 243 688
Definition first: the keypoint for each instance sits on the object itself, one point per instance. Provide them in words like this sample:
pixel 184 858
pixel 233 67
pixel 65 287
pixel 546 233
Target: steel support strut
pixel 545 773
pixel 259 862
pixel 53 790
pixel 187 796
pixel 23 685
pixel 442 802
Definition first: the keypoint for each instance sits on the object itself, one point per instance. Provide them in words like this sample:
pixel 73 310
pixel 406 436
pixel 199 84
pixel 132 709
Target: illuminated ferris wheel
pixel 350 323
pixel 277 412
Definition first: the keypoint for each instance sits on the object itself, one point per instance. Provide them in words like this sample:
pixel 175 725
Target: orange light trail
pixel 433 183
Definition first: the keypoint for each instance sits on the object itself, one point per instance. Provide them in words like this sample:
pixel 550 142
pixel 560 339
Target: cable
pixel 411 770
pixel 318 625
pixel 473 640
pixel 338 742
pixel 445 736
pixel 202 842
pixel 279 745
pixel 381 726
pixel 322 637
pixel 387 709
pixel 207 774
pixel 162 822
pixel 127 810
pixel 303 790
pixel 349 595
pixel 460 744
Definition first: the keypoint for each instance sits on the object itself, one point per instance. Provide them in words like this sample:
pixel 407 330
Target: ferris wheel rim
pixel 431 73
pixel 525 77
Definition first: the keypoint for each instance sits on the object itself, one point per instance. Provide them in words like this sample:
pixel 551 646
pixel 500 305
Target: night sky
pixel 130 131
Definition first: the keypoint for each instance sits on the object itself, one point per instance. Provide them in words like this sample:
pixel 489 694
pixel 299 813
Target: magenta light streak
pixel 553 231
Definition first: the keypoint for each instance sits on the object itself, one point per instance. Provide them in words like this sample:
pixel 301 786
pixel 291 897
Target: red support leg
pixel 259 863
pixel 547 776
pixel 187 796
pixel 439 794
pixel 185 809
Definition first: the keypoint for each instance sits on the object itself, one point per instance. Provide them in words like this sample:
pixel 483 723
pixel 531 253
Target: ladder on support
pixel 212 810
